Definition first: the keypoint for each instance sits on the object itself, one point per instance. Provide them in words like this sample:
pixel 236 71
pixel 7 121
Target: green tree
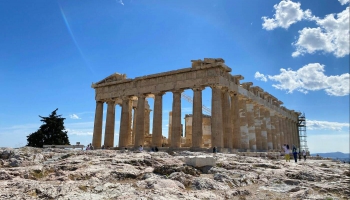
pixel 51 132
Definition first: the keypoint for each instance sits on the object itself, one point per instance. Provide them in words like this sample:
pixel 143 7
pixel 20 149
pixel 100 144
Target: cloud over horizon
pixel 310 77
pixel 326 125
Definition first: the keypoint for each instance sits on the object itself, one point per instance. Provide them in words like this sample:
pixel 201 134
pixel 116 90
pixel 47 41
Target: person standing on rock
pixel 295 154
pixel 214 150
pixel 140 148
pixel 304 155
pixel 286 152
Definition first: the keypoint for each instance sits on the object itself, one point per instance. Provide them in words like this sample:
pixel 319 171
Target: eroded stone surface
pixel 107 174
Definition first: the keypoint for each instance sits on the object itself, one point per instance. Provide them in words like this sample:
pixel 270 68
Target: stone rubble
pixel 32 173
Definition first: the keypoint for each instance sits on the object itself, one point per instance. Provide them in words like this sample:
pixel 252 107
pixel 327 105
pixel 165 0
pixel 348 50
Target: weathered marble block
pixel 200 161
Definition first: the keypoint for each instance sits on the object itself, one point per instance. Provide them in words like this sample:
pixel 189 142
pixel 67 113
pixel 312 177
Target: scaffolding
pixel 189 99
pixel 302 132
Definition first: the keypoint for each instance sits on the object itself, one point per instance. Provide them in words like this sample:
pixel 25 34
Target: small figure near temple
pixel 140 148
pixel 215 150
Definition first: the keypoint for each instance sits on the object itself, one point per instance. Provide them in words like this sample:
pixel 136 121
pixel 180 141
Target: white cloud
pixel 332 36
pixel 287 13
pixel 325 125
pixel 74 116
pixel 260 77
pixel 79 132
pixel 121 2
pixel 310 77
pixel 343 2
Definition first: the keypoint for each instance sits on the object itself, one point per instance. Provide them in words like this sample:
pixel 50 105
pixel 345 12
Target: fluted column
pixel 197 120
pixel 97 135
pixel 125 128
pixel 278 133
pixel 289 127
pixel 140 121
pixel 147 121
pixel 236 140
pixel 295 133
pixel 176 119
pixel 286 133
pixel 251 126
pixel 134 126
pixel 157 120
pixel 263 129
pixel 257 124
pixel 268 130
pixel 244 124
pixel 273 129
pixel 110 124
pixel 281 132
pixel 216 118
pixel 226 117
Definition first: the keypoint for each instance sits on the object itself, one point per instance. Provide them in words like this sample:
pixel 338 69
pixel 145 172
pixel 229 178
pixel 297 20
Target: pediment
pixel 112 78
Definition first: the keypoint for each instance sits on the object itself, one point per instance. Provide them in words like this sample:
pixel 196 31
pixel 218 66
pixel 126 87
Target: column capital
pixel 141 95
pixel 161 93
pixel 216 86
pixel 198 88
pixel 124 98
pixel 232 93
pixel 177 91
pixel 224 89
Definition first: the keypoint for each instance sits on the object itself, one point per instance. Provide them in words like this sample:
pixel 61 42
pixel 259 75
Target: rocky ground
pixel 32 173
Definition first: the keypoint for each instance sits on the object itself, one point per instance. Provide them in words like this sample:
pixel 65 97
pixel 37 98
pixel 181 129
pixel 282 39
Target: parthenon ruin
pixel 243 117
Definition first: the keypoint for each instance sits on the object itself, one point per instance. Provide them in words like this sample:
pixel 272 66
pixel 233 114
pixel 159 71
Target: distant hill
pixel 333 155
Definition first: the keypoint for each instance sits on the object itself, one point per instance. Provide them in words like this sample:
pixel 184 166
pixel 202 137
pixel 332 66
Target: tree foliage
pixel 51 132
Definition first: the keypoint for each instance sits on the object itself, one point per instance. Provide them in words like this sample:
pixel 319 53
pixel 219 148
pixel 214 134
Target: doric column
pixel 134 126
pixel 226 117
pixel 289 127
pixel 295 133
pixel 125 128
pixel 236 140
pixel 157 120
pixel 278 133
pixel 273 129
pixel 257 124
pixel 281 131
pixel 268 130
pixel 110 123
pixel 251 125
pixel 298 133
pixel 147 121
pixel 263 127
pixel 285 131
pixel 140 121
pixel 197 120
pixel 216 117
pixel 244 124
pixel 97 136
pixel 176 119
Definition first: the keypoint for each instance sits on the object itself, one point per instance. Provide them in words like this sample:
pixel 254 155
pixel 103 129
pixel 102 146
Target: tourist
pixel 103 147
pixel 88 147
pixel 156 149
pixel 295 154
pixel 214 150
pixel 140 148
pixel 304 155
pixel 286 152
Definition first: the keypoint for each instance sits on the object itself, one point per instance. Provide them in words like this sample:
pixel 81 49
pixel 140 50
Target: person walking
pixel 295 154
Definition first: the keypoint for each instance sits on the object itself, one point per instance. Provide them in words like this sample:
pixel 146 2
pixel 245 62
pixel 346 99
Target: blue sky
pixel 51 52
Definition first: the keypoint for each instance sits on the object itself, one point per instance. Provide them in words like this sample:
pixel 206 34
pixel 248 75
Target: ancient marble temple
pixel 243 117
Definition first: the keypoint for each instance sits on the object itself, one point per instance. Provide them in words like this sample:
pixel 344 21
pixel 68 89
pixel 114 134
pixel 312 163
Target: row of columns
pixel 236 123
